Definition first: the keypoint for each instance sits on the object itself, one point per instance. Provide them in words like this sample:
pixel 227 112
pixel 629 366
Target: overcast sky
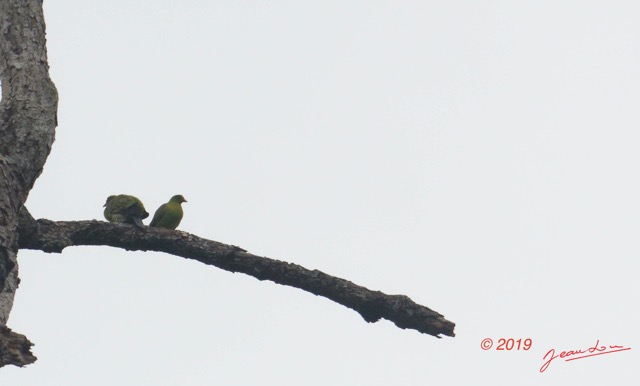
pixel 480 157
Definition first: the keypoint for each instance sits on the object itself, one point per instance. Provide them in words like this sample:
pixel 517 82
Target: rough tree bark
pixel 27 129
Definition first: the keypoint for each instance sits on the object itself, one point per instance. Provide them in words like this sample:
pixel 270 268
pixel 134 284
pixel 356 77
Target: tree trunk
pixel 27 129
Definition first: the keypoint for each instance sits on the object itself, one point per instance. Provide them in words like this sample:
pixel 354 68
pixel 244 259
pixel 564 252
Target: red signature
pixel 591 351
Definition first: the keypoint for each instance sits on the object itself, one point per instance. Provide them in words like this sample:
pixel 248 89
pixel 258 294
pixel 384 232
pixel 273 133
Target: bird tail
pixel 137 222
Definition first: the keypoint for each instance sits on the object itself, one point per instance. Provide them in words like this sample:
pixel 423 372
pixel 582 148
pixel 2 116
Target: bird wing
pixel 162 210
pixel 136 210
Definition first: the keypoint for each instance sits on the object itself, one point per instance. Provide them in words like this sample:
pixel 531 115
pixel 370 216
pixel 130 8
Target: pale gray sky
pixel 479 157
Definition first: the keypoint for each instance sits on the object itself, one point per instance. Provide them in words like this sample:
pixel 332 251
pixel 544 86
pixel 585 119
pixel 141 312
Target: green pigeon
pixel 169 215
pixel 125 209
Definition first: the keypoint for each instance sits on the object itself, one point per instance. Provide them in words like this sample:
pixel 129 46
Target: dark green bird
pixel 125 209
pixel 169 215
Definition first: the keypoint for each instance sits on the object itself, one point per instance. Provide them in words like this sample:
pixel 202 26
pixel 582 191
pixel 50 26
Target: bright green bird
pixel 169 215
pixel 125 209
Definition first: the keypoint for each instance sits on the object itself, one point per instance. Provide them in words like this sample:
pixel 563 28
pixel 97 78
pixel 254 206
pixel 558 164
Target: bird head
pixel 178 198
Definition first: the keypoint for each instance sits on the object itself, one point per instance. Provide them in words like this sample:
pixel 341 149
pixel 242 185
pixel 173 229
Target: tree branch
pixel 15 349
pixel 54 236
